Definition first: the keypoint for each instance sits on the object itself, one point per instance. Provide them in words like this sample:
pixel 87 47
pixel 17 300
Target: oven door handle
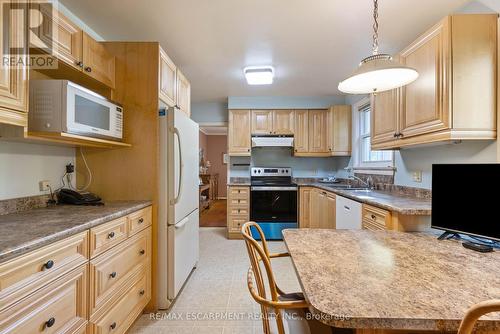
pixel 264 188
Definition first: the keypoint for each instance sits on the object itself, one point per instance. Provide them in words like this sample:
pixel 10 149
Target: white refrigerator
pixel 178 239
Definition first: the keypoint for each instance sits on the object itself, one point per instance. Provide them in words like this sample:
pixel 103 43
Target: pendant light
pixel 378 72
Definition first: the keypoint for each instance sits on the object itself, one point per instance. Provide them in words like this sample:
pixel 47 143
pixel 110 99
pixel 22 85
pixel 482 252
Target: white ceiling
pixel 313 44
pixel 214 130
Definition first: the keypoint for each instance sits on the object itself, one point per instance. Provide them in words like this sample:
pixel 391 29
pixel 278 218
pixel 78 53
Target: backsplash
pixel 22 204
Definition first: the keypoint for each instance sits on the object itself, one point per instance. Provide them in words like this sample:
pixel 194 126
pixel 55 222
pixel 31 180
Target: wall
pixel 284 102
pixel 23 165
pixel 203 143
pixel 217 146
pixel 211 112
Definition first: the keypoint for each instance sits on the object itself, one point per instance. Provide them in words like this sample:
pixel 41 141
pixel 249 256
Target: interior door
pixel 186 161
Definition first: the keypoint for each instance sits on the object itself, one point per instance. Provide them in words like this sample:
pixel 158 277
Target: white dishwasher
pixel 348 214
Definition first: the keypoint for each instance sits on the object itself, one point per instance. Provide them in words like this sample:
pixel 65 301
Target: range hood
pixel 273 141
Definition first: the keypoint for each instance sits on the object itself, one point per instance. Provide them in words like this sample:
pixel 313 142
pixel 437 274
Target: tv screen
pixel 465 199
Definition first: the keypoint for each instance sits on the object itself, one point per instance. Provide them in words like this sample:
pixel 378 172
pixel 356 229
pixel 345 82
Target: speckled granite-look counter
pixel 392 280
pixel 405 205
pixel 25 231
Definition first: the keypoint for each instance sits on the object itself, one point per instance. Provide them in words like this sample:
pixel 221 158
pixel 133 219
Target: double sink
pixel 361 192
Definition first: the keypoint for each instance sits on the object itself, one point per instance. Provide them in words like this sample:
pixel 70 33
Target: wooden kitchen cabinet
pixel 318 132
pixel 322 209
pixel 238 209
pixel 262 122
pixel 376 219
pixel 239 137
pixel 98 63
pixel 301 135
pixel 451 100
pixel 168 79
pixel 183 93
pixel 305 206
pixel 339 130
pixel 13 80
pixel 283 122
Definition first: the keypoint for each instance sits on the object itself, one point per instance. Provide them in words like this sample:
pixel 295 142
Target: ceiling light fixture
pixel 378 72
pixel 259 75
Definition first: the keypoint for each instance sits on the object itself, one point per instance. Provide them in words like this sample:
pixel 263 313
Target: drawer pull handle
pixel 113 274
pixel 113 325
pixel 49 323
pixel 49 264
pixel 373 217
pixel 111 235
pixel 142 292
pixel 142 252
pixel 88 69
pixel 141 220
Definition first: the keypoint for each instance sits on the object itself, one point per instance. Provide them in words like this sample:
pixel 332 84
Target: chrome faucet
pixel 368 183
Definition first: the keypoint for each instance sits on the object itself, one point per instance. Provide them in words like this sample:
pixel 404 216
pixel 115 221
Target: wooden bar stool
pixel 289 309
pixel 476 312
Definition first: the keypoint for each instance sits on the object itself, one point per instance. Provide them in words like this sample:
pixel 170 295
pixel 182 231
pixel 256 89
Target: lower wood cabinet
pixel 317 208
pixel 238 209
pixel 376 219
pixel 305 206
pixel 56 289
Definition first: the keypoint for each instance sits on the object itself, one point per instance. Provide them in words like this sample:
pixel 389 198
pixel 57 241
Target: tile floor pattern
pixel 217 288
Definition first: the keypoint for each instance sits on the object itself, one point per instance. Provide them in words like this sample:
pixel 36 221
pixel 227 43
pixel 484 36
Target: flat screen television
pixel 466 199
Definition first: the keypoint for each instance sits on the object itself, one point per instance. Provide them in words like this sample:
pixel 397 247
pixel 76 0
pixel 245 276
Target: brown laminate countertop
pixel 406 205
pixel 25 231
pixel 392 280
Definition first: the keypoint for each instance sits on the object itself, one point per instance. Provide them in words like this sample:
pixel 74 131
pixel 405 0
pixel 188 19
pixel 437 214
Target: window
pixel 364 157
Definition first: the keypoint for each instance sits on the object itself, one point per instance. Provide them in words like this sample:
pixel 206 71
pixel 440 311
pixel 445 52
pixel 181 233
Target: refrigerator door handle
pixel 182 223
pixel 181 166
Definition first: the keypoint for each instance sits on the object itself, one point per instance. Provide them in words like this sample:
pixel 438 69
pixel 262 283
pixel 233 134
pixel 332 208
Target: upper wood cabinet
pixel 262 122
pixel 283 122
pixel 318 132
pixel 13 79
pixel 301 137
pixel 339 130
pixel 239 137
pixel 97 62
pixel 168 79
pixel 454 97
pixel 183 93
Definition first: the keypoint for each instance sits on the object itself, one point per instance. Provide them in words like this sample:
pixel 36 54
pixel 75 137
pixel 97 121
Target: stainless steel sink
pixel 359 189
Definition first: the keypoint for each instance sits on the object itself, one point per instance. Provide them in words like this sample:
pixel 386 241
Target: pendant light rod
pixel 375 28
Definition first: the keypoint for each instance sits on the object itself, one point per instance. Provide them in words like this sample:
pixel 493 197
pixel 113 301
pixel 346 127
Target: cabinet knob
pixel 113 325
pixel 142 292
pixel 401 135
pixel 296 150
pixel 396 135
pixel 111 235
pixel 49 264
pixel 49 323
pixel 79 63
pixel 248 150
pixel 113 274
pixel 142 252
pixel 373 217
pixel 141 221
pixel 88 69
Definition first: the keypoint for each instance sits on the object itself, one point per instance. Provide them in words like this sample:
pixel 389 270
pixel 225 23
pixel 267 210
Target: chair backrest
pixel 476 312
pixel 260 253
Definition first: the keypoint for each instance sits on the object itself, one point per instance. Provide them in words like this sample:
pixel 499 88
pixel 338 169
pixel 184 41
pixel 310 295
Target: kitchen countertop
pixel 392 280
pixel 406 205
pixel 25 231
pixel 239 181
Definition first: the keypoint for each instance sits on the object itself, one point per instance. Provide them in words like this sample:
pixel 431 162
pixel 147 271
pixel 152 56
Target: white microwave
pixel 63 106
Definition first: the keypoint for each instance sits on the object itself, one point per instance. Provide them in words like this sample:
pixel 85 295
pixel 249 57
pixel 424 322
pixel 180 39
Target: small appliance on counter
pixel 273 200
pixel 69 196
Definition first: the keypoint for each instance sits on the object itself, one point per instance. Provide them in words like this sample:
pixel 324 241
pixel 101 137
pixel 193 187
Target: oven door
pixel 273 204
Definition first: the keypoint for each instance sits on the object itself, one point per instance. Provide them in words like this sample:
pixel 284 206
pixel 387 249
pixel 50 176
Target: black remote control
pixel 477 247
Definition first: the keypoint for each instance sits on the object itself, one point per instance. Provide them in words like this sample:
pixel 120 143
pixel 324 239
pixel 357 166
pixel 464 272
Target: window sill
pixel 386 170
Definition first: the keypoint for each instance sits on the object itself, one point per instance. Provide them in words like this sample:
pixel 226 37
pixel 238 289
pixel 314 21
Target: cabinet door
pixel 315 215
pixel 239 139
pixel 97 62
pixel 385 117
pixel 13 80
pixel 329 211
pixel 301 133
pixel 339 130
pixel 66 37
pixel 283 122
pixel 318 136
pixel 304 207
pixel 425 106
pixel 183 93
pixel 262 122
pixel 167 79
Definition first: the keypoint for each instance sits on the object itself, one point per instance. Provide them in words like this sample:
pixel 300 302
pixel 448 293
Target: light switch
pixel 417 176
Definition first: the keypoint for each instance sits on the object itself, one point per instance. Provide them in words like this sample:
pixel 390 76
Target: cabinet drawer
pixel 238 202
pixel 27 273
pixel 238 210
pixel 376 216
pixel 236 222
pixel 139 220
pixel 120 315
pixel 59 307
pixel 239 192
pixel 112 269
pixel 107 235
pixel 372 226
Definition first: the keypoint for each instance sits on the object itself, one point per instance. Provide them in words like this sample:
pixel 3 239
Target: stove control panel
pixel 271 171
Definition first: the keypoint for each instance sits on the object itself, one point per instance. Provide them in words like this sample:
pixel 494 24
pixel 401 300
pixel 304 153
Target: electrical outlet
pixel 44 185
pixel 417 176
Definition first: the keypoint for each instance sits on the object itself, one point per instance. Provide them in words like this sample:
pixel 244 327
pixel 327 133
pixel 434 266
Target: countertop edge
pixel 54 237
